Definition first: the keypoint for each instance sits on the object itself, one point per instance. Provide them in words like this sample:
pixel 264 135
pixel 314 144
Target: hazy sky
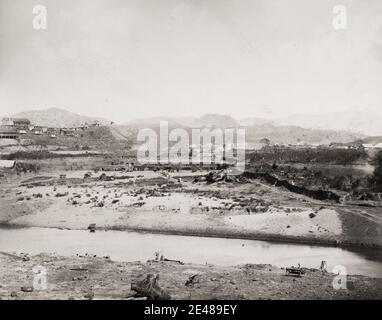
pixel 125 59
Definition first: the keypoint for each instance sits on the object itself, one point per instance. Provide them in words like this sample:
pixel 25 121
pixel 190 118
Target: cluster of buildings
pixel 15 128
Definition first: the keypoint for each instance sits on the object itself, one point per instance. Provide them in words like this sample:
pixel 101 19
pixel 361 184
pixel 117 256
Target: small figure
pixel 323 266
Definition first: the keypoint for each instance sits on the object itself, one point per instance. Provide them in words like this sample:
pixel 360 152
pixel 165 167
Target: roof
pixel 369 145
pixel 7 163
pixel 20 120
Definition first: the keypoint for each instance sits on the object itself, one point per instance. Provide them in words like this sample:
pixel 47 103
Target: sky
pixel 128 59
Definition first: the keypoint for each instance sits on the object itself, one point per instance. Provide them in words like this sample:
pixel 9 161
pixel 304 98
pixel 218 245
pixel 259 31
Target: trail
pixel 117 134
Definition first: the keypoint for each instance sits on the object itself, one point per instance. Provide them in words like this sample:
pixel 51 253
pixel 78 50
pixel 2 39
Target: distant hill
pixel 295 134
pixel 216 120
pixel 256 129
pixel 207 121
pixel 247 122
pixel 370 140
pixel 363 122
pixel 60 118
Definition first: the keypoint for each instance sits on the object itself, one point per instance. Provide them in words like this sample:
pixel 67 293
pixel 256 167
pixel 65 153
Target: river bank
pixel 152 202
pixel 137 246
pixel 100 278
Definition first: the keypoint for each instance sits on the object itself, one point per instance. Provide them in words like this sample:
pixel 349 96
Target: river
pixel 134 246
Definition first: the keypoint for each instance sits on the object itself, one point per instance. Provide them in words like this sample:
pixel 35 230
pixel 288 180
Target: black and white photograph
pixel 199 150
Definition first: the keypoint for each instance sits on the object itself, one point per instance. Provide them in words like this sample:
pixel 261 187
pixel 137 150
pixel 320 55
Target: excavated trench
pixel 317 194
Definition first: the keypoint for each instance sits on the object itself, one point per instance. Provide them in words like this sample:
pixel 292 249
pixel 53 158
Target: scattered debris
pixel 219 176
pixel 27 289
pixel 92 227
pixel 89 295
pixel 64 194
pixel 295 271
pixel 191 280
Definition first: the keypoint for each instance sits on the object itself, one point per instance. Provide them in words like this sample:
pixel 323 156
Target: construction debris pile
pixel 219 176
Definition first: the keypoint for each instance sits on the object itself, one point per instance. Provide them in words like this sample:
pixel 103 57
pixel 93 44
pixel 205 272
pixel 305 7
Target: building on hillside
pixel 7 122
pixel 6 134
pixel 339 145
pixel 95 124
pixel 7 164
pixel 37 130
pixel 369 146
pixel 67 132
pixel 21 122
pixel 83 126
pixel 378 145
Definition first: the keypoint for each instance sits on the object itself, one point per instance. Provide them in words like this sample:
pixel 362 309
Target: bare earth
pixel 101 278
pixel 154 201
pixel 173 203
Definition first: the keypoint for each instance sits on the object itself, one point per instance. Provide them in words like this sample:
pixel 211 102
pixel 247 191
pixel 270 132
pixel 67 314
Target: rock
pixel 27 289
pixel 89 295
pixel 13 294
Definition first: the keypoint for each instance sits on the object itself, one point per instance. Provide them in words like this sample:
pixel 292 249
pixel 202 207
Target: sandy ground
pixel 172 203
pixel 100 278
pixel 164 202
pixel 291 223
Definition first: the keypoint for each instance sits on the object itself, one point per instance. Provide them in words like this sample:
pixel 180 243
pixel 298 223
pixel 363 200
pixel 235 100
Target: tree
pixel 265 141
pixel 377 177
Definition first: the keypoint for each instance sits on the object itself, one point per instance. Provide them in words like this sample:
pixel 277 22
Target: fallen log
pixel 150 288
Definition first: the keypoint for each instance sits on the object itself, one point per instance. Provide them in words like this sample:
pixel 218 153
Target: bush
pixel 377 177
pixel 30 155
pixel 308 155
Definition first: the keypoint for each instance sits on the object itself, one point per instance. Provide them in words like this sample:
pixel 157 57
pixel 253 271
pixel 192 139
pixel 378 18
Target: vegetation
pixel 35 155
pixel 39 155
pixel 377 177
pixel 308 155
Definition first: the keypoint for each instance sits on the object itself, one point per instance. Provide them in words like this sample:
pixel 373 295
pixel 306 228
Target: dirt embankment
pixel 172 203
pixel 100 278
pixel 315 194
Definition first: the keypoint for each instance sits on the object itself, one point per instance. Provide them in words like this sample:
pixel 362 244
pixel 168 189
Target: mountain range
pixel 256 129
pixel 356 121
pixel 337 127
pixel 59 118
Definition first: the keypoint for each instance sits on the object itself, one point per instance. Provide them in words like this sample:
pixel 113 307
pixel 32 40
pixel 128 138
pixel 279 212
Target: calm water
pixel 133 246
